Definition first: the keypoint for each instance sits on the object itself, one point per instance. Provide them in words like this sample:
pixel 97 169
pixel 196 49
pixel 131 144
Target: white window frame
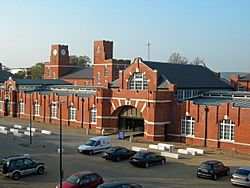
pixel 36 109
pixel 98 78
pixel 93 114
pixel 138 81
pixel 106 71
pixel 226 130
pixel 72 113
pixel 53 111
pixel 21 107
pixel 187 126
pixel 241 88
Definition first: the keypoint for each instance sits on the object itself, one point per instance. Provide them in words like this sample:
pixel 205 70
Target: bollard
pixel 87 131
pixel 131 138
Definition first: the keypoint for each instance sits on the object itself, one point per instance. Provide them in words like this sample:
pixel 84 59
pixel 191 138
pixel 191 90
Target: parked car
pixel 146 159
pixel 241 177
pixel 117 153
pixel 83 179
pixel 212 169
pixel 19 165
pixel 95 145
pixel 116 184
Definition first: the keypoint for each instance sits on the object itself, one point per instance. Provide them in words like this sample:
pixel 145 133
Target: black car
pixel 212 169
pixel 146 159
pixel 19 165
pixel 117 153
pixel 115 184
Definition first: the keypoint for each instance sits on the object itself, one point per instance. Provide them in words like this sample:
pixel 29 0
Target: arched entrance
pixel 130 119
pixel 7 107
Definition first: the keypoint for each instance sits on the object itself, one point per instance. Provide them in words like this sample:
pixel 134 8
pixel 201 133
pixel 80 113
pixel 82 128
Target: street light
pixel 61 169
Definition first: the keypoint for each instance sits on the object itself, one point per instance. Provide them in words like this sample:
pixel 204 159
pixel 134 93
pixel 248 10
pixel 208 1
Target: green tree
pixel 37 71
pixel 81 61
pixel 178 59
pixel 21 74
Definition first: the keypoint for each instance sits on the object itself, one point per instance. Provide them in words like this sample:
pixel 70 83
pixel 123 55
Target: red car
pixel 84 179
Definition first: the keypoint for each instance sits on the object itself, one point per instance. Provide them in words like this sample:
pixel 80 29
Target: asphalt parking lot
pixel 174 174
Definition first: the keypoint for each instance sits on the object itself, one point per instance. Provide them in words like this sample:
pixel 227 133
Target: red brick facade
pixel 160 109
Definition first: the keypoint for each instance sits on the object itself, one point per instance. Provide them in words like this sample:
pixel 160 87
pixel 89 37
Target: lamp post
pixel 61 169
pixel 205 128
pixel 30 119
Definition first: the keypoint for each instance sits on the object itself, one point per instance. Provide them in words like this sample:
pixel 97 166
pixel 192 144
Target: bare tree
pixel 198 61
pixel 178 59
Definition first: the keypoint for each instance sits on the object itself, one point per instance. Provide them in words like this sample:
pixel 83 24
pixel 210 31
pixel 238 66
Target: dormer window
pixel 138 81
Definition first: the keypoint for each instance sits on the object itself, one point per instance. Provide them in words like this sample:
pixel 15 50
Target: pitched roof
pixel 4 75
pixel 245 78
pixel 186 76
pixel 41 82
pixel 79 73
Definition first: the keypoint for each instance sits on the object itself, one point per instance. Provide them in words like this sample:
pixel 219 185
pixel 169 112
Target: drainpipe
pixel 205 128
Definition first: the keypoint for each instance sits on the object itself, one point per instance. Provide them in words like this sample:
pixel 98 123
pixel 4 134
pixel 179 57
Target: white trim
pixel 140 100
pixel 144 106
pixel 177 135
pixel 136 103
pixel 113 105
pixel 161 135
pixel 119 102
pixel 157 123
pixel 109 64
pixel 107 117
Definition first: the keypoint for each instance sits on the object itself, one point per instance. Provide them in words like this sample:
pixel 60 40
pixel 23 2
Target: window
pixel 93 115
pixel 86 83
pixel 37 109
pixel 27 161
pixel 54 75
pixel 48 72
pixel 98 78
pixel 138 81
pixel 53 110
pixel 21 107
pixel 117 71
pixel 106 71
pixel 241 88
pixel 72 113
pixel 1 105
pixel 226 130
pixel 187 126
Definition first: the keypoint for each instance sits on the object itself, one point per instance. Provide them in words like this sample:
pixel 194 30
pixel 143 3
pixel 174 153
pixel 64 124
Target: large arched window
pixel 138 81
pixel 227 129
pixel 187 126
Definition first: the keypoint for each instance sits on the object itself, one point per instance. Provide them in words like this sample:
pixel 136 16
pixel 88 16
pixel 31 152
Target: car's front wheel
pixel 16 176
pixel 163 161
pixel 146 165
pixel 90 152
pixel 215 177
pixel 40 170
pixel 228 173
pixel 117 159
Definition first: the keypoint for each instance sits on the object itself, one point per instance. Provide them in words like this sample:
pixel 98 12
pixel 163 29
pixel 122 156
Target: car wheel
pixel 215 177
pixel 163 161
pixel 90 152
pixel 40 170
pixel 16 176
pixel 228 173
pixel 117 159
pixel 146 165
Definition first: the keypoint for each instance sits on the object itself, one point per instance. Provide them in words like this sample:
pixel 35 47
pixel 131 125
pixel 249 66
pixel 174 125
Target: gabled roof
pixel 41 82
pixel 186 76
pixel 80 73
pixel 245 78
pixel 4 75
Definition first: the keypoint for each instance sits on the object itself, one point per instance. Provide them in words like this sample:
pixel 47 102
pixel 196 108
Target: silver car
pixel 241 177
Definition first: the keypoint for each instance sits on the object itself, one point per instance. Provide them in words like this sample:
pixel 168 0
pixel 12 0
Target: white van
pixel 95 145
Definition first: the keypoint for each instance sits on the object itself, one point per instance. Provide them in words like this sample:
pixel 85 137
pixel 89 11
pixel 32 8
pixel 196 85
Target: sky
pixel 217 31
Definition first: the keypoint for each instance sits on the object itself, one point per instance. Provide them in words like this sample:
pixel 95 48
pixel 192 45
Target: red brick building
pixel 187 103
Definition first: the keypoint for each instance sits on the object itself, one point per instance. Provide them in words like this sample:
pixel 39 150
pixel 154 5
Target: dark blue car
pixel 146 159
pixel 116 184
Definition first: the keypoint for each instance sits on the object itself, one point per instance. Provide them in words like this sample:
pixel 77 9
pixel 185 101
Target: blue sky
pixel 216 30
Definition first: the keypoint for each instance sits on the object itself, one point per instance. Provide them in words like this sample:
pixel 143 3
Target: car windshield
pixel 90 143
pixel 111 149
pixel 139 155
pixel 73 179
pixel 206 166
pixel 242 172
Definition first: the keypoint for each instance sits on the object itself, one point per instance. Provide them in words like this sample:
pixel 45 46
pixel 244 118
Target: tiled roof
pixel 78 73
pixel 186 76
pixel 41 82
pixel 245 78
pixel 4 75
